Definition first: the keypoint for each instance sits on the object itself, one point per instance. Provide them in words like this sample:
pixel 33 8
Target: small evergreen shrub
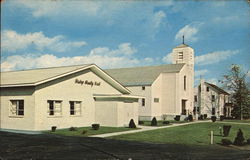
pixel 95 126
pixel 84 131
pixel 226 142
pixel 248 141
pixel 213 118
pixel 200 117
pixel 72 129
pixel 221 118
pixel 239 139
pixel 53 128
pixel 205 116
pixel 166 122
pixel 226 130
pixel 132 124
pixel 141 122
pixel 154 122
pixel 177 117
pixel 190 118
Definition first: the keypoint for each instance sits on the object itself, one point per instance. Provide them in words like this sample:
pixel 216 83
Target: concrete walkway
pixel 233 122
pixel 145 128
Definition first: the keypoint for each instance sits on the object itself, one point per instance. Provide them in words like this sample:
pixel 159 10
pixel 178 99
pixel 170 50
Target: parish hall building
pixel 81 95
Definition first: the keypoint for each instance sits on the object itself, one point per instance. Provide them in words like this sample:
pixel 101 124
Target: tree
pixel 235 82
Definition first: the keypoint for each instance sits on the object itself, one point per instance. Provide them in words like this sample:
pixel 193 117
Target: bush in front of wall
pixel 95 126
pixel 200 117
pixel 53 128
pixel 239 139
pixel 226 142
pixel 226 130
pixel 166 122
pixel 141 122
pixel 221 118
pixel 72 129
pixel 132 124
pixel 213 118
pixel 190 118
pixel 177 117
pixel 205 116
pixel 154 122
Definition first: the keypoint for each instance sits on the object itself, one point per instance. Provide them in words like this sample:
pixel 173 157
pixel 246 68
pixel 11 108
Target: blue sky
pixel 113 34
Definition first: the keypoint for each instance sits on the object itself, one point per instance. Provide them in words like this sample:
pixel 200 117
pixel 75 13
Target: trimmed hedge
pixel 141 122
pixel 72 129
pixel 177 117
pixel 239 139
pixel 53 128
pixel 213 118
pixel 221 118
pixel 166 122
pixel 226 130
pixel 95 126
pixel 190 118
pixel 226 142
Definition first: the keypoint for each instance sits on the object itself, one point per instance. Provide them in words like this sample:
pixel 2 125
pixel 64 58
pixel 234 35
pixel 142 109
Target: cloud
pixel 190 32
pixel 13 41
pixel 102 56
pixel 214 57
pixel 201 72
pixel 213 81
pixel 157 18
pixel 168 58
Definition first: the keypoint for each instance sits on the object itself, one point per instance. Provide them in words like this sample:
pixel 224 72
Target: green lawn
pixel 192 134
pixel 90 131
pixel 238 121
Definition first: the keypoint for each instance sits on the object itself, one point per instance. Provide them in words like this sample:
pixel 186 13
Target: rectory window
pixel 143 87
pixel 195 99
pixel 213 98
pixel 143 102
pixel 156 100
pixel 54 108
pixel 75 107
pixel 207 89
pixel 16 107
pixel 185 81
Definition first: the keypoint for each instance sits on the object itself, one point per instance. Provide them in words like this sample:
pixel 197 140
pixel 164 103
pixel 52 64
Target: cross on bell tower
pixel 183 39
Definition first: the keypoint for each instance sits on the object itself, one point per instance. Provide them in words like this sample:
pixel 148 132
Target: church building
pixel 168 89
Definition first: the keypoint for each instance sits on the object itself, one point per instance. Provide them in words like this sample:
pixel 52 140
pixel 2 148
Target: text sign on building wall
pixel 86 82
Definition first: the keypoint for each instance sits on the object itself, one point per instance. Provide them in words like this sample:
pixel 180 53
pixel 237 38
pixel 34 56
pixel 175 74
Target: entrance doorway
pixel 183 107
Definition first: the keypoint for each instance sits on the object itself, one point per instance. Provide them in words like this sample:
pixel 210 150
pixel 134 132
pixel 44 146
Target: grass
pixel 90 131
pixel 238 121
pixel 192 134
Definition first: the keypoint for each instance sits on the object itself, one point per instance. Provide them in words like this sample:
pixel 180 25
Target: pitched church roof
pixel 145 75
pixel 182 46
pixel 217 88
pixel 34 77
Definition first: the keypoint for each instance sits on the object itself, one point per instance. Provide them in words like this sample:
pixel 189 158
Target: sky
pixel 116 34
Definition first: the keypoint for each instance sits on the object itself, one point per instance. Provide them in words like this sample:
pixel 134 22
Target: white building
pixel 211 100
pixel 168 89
pixel 63 97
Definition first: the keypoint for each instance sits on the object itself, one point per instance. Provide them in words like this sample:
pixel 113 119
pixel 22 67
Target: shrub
pixel 84 131
pixel 95 126
pixel 248 141
pixel 226 130
pixel 177 117
pixel 213 118
pixel 190 117
pixel 200 117
pixel 239 139
pixel 226 142
pixel 141 122
pixel 221 118
pixel 53 128
pixel 205 116
pixel 165 122
pixel 132 124
pixel 154 122
pixel 72 129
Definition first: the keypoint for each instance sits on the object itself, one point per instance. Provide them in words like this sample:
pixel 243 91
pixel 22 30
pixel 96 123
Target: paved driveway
pixel 22 146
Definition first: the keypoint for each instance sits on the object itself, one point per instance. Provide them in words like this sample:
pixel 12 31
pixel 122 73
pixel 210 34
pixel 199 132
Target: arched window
pixel 185 81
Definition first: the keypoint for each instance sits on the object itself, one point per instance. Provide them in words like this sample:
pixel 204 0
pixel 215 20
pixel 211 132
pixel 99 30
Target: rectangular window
pixel 213 98
pixel 17 107
pixel 195 99
pixel 54 107
pixel 143 87
pixel 207 89
pixel 156 100
pixel 185 81
pixel 180 55
pixel 143 102
pixel 75 107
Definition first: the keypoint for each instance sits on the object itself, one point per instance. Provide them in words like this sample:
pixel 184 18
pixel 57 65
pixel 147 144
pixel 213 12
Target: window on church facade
pixel 143 102
pixel 180 55
pixel 185 81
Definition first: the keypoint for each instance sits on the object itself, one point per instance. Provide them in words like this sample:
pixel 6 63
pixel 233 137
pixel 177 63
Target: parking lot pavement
pixel 43 146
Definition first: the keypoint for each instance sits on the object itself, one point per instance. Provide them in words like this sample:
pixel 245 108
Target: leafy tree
pixel 235 82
